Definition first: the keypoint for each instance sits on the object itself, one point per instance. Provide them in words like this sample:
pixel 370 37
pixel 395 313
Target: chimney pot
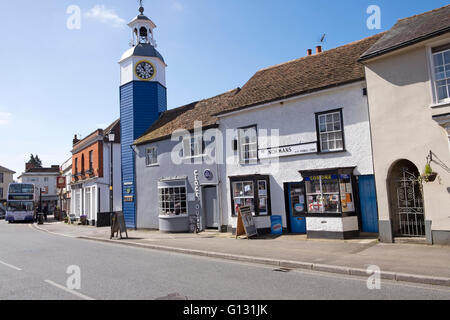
pixel 309 52
pixel 318 49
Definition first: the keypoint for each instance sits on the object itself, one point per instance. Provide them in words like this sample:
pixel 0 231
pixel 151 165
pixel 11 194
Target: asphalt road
pixel 33 265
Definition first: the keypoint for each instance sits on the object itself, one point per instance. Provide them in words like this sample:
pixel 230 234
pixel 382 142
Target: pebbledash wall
pixel 296 121
pixel 165 173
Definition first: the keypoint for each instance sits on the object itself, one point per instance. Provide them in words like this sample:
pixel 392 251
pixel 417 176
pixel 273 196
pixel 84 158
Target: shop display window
pixel 253 192
pixel 172 201
pixel 330 193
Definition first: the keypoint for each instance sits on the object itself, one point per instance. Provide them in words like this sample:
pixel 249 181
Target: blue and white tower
pixel 143 97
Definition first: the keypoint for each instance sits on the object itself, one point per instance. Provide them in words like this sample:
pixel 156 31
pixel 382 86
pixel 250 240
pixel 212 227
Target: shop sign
pixel 197 198
pixel 293 150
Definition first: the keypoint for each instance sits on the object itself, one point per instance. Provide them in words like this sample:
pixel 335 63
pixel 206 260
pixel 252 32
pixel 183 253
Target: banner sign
pixel 288 151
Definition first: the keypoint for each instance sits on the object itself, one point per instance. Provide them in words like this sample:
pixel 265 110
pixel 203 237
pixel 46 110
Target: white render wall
pixel 296 122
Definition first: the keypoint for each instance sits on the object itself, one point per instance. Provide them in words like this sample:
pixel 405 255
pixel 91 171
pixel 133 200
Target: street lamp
pixel 111 138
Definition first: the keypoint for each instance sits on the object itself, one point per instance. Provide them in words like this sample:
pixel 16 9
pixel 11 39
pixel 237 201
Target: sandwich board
pixel 245 224
pixel 118 225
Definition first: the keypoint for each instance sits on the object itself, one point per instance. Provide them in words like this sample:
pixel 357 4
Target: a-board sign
pixel 118 225
pixel 246 224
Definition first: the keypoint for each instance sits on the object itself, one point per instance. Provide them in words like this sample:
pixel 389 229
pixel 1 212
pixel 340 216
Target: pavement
pixel 414 263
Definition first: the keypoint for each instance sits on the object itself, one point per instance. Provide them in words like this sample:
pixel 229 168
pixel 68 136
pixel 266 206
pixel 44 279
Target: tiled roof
pixel 412 30
pixel 308 74
pixel 324 70
pixel 184 117
pixel 3 169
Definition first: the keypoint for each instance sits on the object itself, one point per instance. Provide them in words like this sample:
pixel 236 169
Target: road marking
pixel 10 266
pixel 75 293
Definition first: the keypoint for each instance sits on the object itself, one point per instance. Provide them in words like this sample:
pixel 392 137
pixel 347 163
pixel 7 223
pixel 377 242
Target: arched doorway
pixel 406 200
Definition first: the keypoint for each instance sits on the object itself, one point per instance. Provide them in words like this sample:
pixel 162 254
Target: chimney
pixel 318 49
pixel 309 52
pixel 29 165
pixel 75 140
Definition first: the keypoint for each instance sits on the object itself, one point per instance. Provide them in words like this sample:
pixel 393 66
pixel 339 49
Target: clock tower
pixel 143 98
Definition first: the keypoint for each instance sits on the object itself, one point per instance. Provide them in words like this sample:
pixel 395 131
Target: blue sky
pixel 57 82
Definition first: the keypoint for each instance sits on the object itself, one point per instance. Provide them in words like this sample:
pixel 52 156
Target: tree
pixel 35 161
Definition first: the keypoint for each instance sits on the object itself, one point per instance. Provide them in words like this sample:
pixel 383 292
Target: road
pixel 33 265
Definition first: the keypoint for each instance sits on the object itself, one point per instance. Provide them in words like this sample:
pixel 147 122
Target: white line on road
pixel 10 266
pixel 80 295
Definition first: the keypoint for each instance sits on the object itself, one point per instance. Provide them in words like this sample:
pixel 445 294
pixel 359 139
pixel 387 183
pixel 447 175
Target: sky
pixel 56 81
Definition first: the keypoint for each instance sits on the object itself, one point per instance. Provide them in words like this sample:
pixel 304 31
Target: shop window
pixel 151 156
pixel 330 131
pixel 248 145
pixel 253 192
pixel 329 194
pixel 441 70
pixel 172 201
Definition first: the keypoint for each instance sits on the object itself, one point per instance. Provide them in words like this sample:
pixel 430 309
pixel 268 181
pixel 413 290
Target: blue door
pixel 368 203
pixel 297 207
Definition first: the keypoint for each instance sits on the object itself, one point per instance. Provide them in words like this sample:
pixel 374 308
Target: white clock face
pixel 145 70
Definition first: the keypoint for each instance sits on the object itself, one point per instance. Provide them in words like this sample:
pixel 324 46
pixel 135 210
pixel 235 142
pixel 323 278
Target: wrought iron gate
pixel 410 206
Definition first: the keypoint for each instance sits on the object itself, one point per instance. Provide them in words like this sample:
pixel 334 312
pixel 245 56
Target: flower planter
pixel 431 177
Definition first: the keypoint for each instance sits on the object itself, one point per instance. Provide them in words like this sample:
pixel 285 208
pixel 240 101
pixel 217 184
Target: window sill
pixel 331 152
pixel 152 165
pixel 174 217
pixel 442 104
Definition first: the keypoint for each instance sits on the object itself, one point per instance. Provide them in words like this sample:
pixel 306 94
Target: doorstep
pixel 422 241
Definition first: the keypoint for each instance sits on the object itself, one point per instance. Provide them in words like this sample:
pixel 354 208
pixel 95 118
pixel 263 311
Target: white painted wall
pixel 295 121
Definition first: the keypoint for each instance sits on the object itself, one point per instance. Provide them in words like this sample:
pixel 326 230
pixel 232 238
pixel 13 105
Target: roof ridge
pixel 321 53
pixel 423 13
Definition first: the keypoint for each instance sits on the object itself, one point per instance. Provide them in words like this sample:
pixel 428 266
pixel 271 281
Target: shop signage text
pixel 288 151
pixel 197 197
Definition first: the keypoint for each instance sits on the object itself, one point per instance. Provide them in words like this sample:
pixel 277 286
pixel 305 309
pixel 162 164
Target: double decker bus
pixel 21 202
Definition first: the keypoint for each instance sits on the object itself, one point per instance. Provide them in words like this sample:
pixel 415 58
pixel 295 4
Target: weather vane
pixel 141 8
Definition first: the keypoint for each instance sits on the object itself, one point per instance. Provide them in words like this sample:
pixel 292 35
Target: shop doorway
pixel 211 211
pixel 406 200
pixel 296 207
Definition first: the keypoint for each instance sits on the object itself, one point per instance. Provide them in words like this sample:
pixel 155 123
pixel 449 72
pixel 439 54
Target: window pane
pixel 337 117
pixel 323 128
pixel 438 60
pixel 442 93
pixel 331 203
pixel 447 56
pixel 322 119
pixel 329 118
pixel 339 144
pixel 248 189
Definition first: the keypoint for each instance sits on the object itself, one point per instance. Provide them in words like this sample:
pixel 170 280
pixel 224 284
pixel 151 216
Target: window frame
pixel 255 180
pixel 160 201
pixel 340 173
pixel 434 51
pixel 249 160
pixel 147 162
pixel 91 160
pixel 319 134
pixel 1 193
pixel 2 177
pixel 196 143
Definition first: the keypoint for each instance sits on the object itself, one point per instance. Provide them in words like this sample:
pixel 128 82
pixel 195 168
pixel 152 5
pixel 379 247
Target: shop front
pixel 324 204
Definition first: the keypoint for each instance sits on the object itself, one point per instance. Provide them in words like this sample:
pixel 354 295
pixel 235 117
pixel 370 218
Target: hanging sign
pixel 61 182
pixel 288 151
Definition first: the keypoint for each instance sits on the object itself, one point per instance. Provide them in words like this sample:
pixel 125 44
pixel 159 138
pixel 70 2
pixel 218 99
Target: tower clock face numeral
pixel 145 70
